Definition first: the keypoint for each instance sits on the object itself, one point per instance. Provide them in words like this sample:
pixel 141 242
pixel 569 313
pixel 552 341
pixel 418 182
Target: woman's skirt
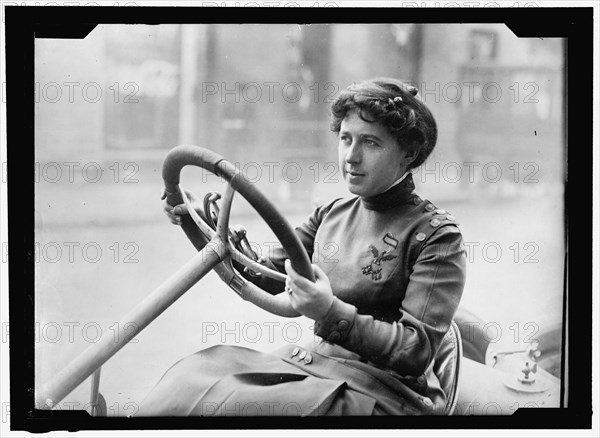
pixel 236 381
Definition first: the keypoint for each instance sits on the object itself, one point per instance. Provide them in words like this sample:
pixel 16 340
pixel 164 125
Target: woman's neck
pixel 400 192
pixel 398 181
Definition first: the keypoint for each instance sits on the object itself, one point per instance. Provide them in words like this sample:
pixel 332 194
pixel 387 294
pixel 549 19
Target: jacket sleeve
pixel 408 345
pixel 277 255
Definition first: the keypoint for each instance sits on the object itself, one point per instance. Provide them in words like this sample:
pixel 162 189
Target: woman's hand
pixel 174 213
pixel 312 300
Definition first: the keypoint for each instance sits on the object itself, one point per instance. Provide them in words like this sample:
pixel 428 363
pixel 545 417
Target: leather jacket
pixel 397 268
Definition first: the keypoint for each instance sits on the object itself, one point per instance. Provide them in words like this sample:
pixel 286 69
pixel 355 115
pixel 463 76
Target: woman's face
pixel 371 159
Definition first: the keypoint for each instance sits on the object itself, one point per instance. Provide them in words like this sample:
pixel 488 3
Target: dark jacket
pixel 397 267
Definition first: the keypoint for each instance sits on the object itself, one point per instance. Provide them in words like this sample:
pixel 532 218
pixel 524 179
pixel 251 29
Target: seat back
pixel 447 366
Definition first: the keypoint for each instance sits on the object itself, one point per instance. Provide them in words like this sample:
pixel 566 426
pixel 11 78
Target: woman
pixel 382 310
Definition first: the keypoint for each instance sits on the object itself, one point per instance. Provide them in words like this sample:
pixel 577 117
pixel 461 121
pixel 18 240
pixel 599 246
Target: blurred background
pixel 109 108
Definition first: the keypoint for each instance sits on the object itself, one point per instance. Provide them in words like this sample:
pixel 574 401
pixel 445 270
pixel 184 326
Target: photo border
pixel 23 24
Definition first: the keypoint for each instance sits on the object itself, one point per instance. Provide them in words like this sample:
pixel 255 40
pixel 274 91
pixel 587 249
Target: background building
pixel 247 91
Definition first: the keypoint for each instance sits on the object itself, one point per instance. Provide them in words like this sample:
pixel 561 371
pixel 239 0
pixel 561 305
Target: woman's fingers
pixel 174 213
pixel 319 274
pixel 288 267
pixel 313 300
pixel 295 280
pixel 174 219
pixel 180 209
pixel 293 276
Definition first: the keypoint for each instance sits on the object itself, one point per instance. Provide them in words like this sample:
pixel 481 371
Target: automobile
pixel 483 380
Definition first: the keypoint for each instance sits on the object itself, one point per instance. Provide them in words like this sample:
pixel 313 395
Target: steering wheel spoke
pixel 242 259
pixel 208 232
pixel 224 213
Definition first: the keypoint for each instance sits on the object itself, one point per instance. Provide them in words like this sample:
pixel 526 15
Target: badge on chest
pixel 380 256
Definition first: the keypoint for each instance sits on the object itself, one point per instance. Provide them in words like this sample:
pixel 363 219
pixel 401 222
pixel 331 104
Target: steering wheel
pixel 201 234
pixel 215 252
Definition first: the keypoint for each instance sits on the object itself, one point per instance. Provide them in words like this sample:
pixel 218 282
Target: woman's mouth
pixel 353 173
pixel 354 177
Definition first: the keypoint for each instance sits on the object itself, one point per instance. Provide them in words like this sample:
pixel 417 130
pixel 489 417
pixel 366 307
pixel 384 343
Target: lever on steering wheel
pixel 237 233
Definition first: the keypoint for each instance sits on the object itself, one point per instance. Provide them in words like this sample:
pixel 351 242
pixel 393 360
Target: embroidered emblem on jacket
pixel 374 267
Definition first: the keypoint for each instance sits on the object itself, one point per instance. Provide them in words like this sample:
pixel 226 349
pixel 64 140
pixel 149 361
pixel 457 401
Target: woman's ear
pixel 410 156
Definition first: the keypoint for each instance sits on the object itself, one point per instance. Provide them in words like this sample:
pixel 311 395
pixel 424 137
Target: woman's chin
pixel 357 189
pixel 352 188
pixel 359 186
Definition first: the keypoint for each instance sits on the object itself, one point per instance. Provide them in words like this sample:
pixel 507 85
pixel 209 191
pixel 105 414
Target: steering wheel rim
pixel 181 156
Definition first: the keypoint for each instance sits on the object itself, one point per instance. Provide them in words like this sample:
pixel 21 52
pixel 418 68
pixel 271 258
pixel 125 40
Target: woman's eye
pixel 345 139
pixel 371 143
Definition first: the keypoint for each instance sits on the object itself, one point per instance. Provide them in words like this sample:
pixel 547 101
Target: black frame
pixel 24 24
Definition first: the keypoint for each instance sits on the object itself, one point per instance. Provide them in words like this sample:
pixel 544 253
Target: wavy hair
pixel 394 104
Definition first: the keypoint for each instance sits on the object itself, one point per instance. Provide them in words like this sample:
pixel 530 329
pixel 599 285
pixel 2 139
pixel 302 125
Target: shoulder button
pixel 450 217
pixel 429 207
pixel 440 211
pixel 435 222
pixel 420 237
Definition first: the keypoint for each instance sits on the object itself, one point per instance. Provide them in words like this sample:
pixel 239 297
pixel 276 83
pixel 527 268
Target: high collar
pixel 401 193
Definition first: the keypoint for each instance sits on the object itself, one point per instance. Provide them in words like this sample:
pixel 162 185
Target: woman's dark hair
pixel 396 105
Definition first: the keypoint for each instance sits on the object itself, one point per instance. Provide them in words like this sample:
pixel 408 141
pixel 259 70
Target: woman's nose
pixel 353 153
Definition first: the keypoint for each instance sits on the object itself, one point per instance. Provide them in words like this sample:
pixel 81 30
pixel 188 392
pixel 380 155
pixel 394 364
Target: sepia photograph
pixel 299 219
